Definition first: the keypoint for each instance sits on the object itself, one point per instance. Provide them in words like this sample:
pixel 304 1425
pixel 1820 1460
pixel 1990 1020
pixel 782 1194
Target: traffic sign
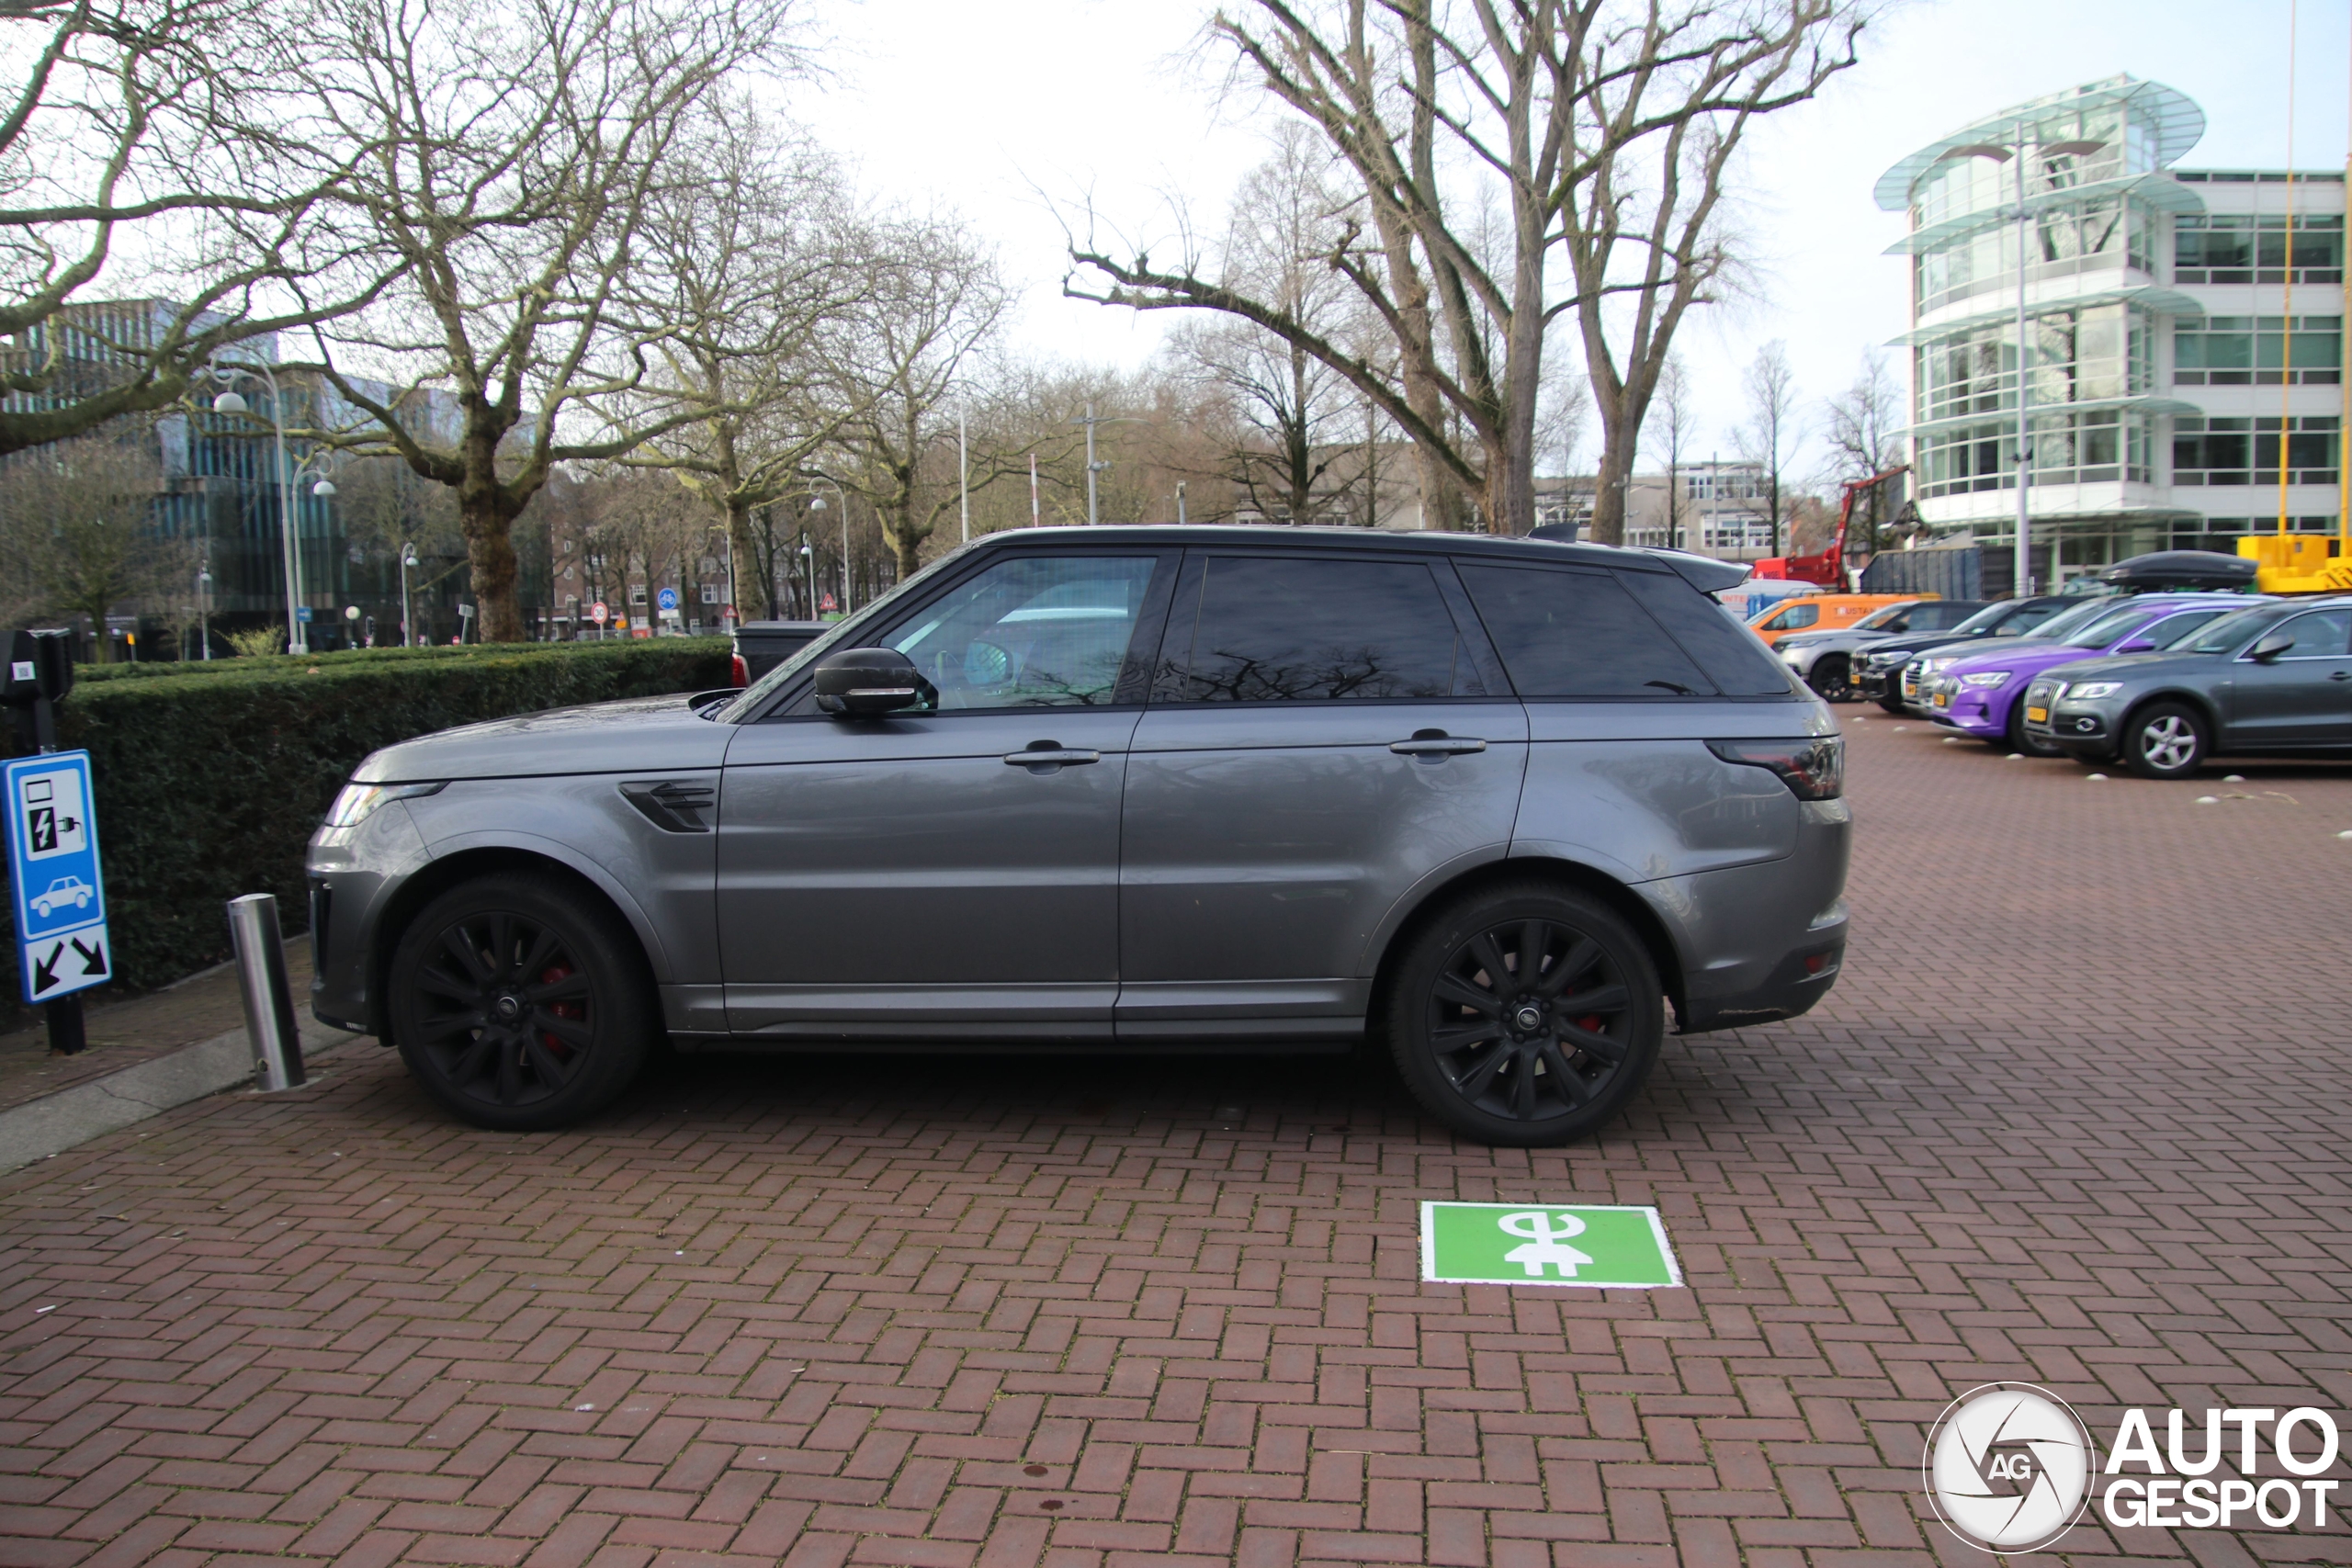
pixel 667 599
pixel 1605 1247
pixel 598 613
pixel 301 612
pixel 61 899
pixel 826 604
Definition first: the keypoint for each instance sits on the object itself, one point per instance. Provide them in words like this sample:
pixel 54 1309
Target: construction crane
pixel 1829 568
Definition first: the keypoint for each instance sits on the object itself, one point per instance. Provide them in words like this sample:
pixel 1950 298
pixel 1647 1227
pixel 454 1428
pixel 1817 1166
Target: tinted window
pixel 1941 615
pixel 1035 631
pixel 2175 628
pixel 1579 634
pixel 2229 631
pixel 2320 635
pixel 2063 626
pixel 1272 628
pixel 2107 628
pixel 2027 620
pixel 1727 652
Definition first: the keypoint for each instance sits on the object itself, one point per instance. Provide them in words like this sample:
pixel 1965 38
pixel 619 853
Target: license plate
pixel 2037 715
pixel 1943 699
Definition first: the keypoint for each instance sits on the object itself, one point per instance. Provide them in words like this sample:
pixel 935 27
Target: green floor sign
pixel 1604 1245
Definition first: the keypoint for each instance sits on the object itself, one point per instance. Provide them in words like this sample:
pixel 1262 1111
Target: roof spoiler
pixel 1704 574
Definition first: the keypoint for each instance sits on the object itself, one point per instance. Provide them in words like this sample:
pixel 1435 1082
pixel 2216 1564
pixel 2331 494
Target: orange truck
pixel 1822 613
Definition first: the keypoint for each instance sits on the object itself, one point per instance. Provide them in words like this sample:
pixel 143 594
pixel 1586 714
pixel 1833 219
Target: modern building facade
pixel 2177 325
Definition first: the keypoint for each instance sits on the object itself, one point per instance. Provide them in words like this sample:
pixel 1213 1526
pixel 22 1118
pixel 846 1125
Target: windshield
pixel 2108 628
pixel 2063 626
pixel 1990 615
pixel 748 701
pixel 1878 618
pixel 2229 631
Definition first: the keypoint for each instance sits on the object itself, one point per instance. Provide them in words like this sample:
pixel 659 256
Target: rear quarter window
pixel 1569 632
pixel 1729 654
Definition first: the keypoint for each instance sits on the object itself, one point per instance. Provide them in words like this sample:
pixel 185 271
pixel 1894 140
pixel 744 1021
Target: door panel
pixel 2303 699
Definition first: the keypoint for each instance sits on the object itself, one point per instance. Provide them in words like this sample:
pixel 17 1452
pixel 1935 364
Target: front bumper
pixel 353 873
pixel 1765 942
pixel 1973 710
pixel 2079 729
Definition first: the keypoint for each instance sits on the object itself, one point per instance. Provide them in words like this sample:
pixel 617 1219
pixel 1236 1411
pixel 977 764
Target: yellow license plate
pixel 2037 715
pixel 1943 699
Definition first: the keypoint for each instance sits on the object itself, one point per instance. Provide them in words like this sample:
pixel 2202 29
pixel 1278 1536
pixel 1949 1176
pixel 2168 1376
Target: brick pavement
pixel 2076 1115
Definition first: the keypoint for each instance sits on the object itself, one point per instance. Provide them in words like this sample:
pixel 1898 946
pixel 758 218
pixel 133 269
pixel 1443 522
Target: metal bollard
pixel 269 1005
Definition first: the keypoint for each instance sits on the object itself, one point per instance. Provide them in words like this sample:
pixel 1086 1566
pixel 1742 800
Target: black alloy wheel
pixel 1525 1015
pixel 2024 740
pixel 520 1004
pixel 1833 679
pixel 2164 740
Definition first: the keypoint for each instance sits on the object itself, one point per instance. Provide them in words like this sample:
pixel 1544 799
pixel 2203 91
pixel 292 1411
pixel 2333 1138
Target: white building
pixel 2173 333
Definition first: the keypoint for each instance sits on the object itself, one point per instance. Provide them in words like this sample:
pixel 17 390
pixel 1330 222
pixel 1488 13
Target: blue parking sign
pixel 54 881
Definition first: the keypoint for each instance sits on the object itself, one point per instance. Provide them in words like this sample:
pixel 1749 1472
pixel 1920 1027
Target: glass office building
pixel 2177 325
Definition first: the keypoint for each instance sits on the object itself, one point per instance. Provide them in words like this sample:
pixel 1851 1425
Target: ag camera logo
pixel 2009 1467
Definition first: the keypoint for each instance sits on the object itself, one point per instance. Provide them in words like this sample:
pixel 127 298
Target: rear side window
pixel 1276 628
pixel 1579 634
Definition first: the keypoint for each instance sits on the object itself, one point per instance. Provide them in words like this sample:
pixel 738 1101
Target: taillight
pixel 742 671
pixel 1814 768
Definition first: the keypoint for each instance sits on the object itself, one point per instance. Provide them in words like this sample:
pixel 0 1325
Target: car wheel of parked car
pixel 1833 679
pixel 2023 739
pixel 1525 1015
pixel 2164 741
pixel 1892 704
pixel 520 1005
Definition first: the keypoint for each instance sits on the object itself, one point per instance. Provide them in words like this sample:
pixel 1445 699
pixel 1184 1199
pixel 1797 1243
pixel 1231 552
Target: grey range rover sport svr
pixel 1492 803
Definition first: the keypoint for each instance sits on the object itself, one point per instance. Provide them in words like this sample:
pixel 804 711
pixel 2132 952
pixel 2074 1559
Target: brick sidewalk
pixel 2076 1115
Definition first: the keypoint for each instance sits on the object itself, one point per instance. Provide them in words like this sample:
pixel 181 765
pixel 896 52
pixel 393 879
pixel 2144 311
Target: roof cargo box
pixel 2179 568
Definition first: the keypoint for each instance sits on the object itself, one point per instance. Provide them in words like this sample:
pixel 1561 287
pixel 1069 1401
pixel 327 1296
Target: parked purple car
pixel 1978 695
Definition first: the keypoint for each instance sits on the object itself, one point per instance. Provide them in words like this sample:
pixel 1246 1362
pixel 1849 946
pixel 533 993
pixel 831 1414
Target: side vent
pixel 674 805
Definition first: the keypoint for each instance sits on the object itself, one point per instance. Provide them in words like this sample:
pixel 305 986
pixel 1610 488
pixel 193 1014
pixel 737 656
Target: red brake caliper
pixel 575 1011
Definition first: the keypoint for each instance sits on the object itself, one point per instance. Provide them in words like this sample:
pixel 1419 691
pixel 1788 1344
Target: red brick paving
pixel 2076 1115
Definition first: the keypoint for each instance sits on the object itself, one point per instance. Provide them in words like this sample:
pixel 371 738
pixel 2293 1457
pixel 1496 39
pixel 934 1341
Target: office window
pixel 2240 351
pixel 2217 451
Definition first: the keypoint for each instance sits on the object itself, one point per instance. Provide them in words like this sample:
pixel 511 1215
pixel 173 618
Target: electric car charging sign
pixel 1605 1247
pixel 54 881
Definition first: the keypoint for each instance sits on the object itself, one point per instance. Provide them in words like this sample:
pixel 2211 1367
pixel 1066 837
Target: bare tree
pixel 1674 419
pixel 77 532
pixel 521 155
pixel 1862 421
pixel 1770 431
pixel 760 263
pixel 153 147
pixel 1597 128
pixel 936 304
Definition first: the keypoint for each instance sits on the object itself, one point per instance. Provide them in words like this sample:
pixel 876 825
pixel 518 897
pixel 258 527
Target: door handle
pixel 1043 756
pixel 2342 675
pixel 1436 743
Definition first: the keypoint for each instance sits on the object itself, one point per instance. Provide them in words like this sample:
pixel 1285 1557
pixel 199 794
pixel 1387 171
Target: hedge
pixel 210 781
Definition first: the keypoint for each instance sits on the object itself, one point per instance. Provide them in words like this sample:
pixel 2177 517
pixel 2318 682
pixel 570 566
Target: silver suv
pixel 1493 802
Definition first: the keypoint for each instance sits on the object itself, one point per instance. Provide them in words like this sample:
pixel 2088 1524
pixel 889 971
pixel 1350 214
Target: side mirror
pixel 2136 644
pixel 2271 647
pixel 865 683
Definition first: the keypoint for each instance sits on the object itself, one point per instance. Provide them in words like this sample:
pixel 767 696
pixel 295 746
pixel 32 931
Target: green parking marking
pixel 1607 1246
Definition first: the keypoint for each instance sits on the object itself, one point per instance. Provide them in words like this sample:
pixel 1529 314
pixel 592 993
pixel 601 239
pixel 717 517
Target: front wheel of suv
pixel 2020 738
pixel 518 1004
pixel 1833 679
pixel 2164 740
pixel 1525 1015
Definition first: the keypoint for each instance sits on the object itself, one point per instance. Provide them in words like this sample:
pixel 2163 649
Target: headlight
pixel 1986 677
pixel 1944 664
pixel 355 803
pixel 2088 691
pixel 1887 661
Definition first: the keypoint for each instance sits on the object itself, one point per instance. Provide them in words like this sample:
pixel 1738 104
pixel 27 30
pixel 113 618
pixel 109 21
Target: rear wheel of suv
pixel 520 1005
pixel 1525 1014
pixel 2164 741
pixel 1833 678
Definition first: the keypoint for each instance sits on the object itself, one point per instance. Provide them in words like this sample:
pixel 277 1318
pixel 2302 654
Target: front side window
pixel 1794 618
pixel 2323 634
pixel 1579 634
pixel 2177 628
pixel 2229 631
pixel 1034 631
pixel 1282 629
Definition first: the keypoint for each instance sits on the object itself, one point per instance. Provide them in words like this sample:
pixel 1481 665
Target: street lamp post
pixel 817 503
pixel 231 403
pixel 808 573
pixel 408 623
pixel 1093 512
pixel 204 610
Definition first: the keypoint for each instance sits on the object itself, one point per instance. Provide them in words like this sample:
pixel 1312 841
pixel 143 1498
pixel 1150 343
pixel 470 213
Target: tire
pixel 1490 1058
pixel 519 1004
pixel 2164 741
pixel 2021 739
pixel 1833 679
pixel 1893 704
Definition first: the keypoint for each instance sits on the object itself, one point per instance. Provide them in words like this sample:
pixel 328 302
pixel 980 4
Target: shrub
pixel 210 782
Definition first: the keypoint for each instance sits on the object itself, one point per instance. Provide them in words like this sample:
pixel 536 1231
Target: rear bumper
pixel 1760 943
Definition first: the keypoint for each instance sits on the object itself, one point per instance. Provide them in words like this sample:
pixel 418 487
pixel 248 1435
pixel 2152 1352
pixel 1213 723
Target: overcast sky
pixel 995 106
